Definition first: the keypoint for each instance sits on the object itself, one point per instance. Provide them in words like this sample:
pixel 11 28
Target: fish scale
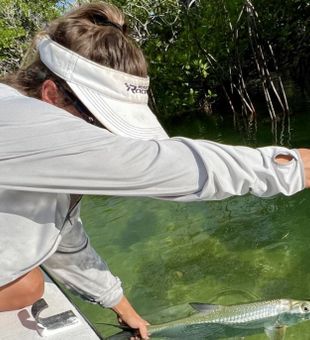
pixel 246 313
pixel 235 314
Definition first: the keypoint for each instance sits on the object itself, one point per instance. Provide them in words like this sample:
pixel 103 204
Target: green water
pixel 240 249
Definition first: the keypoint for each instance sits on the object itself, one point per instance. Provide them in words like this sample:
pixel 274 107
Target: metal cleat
pixel 52 324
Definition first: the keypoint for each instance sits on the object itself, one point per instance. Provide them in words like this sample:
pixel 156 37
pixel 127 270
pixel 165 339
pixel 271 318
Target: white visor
pixel 118 100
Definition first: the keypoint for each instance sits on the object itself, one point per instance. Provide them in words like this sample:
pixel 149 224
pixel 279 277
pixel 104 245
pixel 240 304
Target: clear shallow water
pixel 237 250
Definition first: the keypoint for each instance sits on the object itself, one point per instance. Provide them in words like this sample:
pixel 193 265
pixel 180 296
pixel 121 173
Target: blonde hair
pixel 96 31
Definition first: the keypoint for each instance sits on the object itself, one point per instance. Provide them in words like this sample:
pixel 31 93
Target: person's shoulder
pixel 13 101
pixel 7 91
pixel 11 96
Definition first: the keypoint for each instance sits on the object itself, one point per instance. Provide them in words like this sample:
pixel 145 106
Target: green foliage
pixel 177 66
pixel 192 50
pixel 19 20
pixel 179 42
pixel 287 27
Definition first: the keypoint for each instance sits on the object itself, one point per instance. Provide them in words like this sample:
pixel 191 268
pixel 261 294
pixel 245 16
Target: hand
pixel 305 156
pixel 127 315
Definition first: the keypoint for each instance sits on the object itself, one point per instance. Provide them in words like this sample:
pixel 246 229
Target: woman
pixel 75 120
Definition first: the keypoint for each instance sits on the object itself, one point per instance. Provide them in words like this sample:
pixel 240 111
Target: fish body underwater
pixel 217 321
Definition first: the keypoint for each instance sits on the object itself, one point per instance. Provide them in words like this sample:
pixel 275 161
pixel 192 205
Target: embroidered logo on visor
pixel 137 89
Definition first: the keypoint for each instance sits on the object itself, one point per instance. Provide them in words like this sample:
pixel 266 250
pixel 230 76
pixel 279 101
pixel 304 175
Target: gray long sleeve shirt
pixel 46 154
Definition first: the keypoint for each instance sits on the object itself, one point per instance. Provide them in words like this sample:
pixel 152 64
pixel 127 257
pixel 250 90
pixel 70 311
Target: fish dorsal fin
pixel 205 307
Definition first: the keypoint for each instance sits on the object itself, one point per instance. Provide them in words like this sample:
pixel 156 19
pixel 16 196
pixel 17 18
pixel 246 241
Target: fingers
pixel 143 331
pixel 128 316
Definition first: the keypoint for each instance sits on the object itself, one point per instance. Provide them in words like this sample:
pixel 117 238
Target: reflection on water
pixel 168 254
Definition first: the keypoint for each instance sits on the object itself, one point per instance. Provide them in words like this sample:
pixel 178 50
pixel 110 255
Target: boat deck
pixel 20 324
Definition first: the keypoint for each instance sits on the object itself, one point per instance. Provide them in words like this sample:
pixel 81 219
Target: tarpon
pixel 219 321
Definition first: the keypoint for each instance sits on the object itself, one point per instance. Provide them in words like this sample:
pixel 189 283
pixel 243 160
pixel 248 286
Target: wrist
pixel 305 156
pixel 123 307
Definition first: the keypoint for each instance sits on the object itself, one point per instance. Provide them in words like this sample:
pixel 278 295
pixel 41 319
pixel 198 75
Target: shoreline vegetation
pixel 201 53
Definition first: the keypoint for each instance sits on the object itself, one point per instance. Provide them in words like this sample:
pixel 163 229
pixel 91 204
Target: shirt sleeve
pixel 80 268
pixel 49 150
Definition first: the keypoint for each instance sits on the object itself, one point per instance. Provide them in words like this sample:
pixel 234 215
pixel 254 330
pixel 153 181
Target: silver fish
pixel 218 321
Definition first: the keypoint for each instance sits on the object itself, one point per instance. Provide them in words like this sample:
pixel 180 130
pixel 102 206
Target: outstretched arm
pixel 57 152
